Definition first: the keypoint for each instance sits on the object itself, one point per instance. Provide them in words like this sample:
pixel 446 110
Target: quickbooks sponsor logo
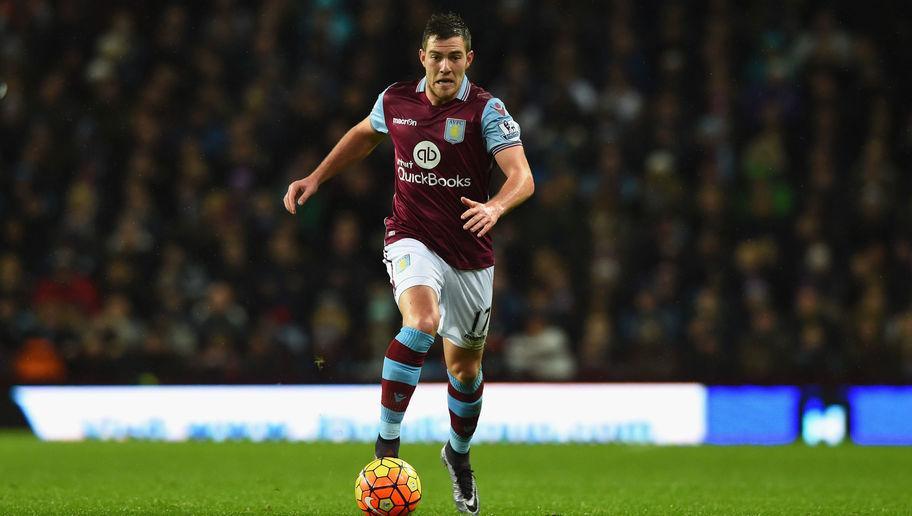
pixel 426 155
pixel 432 179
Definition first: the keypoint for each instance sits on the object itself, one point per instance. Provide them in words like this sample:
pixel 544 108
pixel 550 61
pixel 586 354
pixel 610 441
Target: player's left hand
pixel 481 217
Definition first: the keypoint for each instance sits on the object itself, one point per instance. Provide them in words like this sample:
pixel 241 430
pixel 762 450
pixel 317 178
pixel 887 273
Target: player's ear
pixel 470 56
pixel 421 56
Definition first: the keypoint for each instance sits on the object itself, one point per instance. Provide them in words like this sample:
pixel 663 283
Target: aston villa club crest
pixel 403 263
pixel 454 131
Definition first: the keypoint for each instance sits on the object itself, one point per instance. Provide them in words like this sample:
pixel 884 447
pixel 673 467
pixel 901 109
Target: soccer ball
pixel 388 486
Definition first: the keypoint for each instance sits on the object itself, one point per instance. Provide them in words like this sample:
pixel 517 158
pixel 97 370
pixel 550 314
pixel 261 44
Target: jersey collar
pixel 463 89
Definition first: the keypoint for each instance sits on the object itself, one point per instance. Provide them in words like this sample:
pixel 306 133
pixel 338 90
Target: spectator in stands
pixel 720 191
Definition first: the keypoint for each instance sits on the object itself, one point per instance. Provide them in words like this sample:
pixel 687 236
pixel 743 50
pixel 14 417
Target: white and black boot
pixel 465 493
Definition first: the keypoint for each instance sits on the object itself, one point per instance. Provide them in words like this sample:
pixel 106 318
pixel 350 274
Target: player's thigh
pixel 419 307
pixel 465 307
pixel 417 277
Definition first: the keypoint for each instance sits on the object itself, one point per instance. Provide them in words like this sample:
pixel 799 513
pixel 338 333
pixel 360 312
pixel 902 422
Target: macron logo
pixel 399 397
pixel 404 121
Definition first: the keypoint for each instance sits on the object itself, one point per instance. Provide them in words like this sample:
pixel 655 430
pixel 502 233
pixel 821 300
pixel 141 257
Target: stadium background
pixel 722 193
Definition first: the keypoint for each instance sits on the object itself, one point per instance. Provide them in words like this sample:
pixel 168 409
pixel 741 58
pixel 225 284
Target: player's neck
pixel 438 101
pixel 435 100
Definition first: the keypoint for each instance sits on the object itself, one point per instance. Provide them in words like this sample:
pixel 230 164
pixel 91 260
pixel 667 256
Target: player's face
pixel 445 62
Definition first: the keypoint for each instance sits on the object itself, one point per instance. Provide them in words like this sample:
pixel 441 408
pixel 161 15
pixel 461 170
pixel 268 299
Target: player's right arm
pixel 357 143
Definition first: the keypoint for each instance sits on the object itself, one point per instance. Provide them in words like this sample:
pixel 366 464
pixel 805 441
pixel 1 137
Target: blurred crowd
pixel 722 190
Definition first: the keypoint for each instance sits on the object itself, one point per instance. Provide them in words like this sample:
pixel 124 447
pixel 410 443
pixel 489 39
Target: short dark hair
pixel 445 26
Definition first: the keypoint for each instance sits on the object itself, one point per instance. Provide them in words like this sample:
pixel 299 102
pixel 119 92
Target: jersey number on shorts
pixel 476 336
pixel 478 313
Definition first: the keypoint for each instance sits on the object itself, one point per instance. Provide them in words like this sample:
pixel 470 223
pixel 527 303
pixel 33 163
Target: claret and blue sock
pixel 464 401
pixel 401 372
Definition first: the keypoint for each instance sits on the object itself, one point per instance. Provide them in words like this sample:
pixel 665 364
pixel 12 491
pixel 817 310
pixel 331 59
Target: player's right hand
pixel 298 193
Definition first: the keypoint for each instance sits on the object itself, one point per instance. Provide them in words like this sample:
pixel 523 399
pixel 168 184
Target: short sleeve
pixel 499 129
pixel 377 117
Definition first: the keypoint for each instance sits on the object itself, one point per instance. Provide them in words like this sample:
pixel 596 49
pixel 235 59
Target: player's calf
pixel 401 372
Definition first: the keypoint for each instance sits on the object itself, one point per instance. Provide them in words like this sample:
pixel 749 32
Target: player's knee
pixel 427 323
pixel 466 372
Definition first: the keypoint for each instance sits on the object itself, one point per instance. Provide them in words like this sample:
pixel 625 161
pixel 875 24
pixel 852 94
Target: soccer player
pixel 446 133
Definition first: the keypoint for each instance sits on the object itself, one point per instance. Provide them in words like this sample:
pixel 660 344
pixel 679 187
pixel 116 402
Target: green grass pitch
pixel 286 478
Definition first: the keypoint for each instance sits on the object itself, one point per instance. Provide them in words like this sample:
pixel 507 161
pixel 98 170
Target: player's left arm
pixel 481 217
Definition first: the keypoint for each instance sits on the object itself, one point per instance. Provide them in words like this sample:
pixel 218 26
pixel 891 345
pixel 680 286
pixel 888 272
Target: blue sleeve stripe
pixel 491 120
pixel 399 372
pixel 463 409
pixel 377 117
pixel 499 148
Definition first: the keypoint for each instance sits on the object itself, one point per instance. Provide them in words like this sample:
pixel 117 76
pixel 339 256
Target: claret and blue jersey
pixel 442 153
